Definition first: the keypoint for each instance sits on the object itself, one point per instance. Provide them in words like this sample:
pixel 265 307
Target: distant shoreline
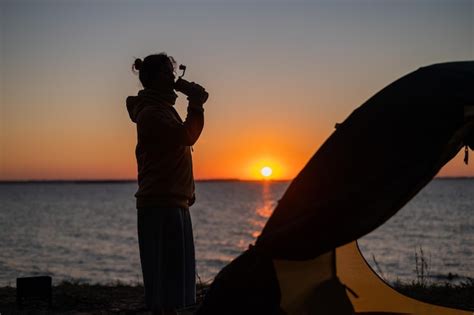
pixel 122 181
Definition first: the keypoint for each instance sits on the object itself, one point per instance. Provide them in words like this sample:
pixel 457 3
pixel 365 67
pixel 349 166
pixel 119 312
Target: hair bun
pixel 138 64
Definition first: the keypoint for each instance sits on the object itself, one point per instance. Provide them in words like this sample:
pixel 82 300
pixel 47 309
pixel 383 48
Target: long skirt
pixel 166 244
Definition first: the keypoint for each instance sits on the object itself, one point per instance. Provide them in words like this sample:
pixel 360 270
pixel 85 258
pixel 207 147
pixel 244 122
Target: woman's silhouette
pixel 166 183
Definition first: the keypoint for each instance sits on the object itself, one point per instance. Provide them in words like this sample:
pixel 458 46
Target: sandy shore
pixel 77 298
pixel 80 298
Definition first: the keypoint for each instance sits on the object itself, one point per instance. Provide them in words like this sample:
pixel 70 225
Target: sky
pixel 280 75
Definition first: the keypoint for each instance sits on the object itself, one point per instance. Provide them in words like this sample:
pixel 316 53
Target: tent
pixel 381 156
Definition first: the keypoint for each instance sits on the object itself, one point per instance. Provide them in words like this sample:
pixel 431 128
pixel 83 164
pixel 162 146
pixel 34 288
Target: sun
pixel 266 171
pixel 265 168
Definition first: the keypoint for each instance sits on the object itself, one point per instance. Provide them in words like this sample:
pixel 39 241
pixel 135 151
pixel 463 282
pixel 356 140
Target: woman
pixel 166 183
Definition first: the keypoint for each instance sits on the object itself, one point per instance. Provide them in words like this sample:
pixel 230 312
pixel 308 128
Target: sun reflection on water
pixel 263 211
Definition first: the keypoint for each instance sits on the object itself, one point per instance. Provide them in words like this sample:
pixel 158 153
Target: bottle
pixel 187 88
pixel 183 86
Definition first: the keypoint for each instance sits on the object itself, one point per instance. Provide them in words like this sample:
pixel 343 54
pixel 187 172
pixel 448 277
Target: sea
pixel 87 231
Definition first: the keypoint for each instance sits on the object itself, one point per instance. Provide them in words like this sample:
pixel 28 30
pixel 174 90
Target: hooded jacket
pixel 163 151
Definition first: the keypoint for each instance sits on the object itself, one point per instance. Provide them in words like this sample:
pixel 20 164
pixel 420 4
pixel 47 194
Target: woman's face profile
pixel 165 77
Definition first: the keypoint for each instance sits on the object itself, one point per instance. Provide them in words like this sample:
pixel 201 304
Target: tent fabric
pixel 375 161
pixel 374 295
pixel 299 282
pixel 248 285
pixel 253 284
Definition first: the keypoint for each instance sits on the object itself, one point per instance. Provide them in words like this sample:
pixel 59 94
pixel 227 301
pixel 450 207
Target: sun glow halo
pixel 266 171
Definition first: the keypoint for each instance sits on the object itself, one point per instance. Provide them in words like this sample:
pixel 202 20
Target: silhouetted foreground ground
pixel 76 298
pixel 457 296
pixel 80 298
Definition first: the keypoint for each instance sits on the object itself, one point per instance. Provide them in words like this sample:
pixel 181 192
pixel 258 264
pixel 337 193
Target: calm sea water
pixel 87 232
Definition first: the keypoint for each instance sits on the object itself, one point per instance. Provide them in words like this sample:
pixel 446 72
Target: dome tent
pixel 381 156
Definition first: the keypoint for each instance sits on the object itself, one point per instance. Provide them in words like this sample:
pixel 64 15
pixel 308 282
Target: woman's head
pixel 156 71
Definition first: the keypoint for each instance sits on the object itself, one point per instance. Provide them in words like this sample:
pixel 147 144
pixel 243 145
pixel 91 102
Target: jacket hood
pixel 148 97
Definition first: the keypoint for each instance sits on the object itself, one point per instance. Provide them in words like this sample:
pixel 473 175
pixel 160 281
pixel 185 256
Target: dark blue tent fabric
pixel 375 161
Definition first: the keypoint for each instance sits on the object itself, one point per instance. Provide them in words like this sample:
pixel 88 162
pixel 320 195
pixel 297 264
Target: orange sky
pixel 279 78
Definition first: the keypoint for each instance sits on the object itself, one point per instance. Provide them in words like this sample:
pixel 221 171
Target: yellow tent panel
pixel 299 281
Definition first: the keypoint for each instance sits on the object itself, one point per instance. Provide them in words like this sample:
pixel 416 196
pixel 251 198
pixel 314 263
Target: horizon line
pixel 111 181
pixel 8 181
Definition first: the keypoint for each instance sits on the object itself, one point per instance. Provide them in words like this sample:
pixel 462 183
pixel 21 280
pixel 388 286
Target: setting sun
pixel 266 171
pixel 267 168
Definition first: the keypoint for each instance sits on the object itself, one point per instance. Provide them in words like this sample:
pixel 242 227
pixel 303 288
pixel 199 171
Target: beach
pixel 83 235
pixel 76 298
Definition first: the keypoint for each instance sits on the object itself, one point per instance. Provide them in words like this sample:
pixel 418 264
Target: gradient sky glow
pixel 280 75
